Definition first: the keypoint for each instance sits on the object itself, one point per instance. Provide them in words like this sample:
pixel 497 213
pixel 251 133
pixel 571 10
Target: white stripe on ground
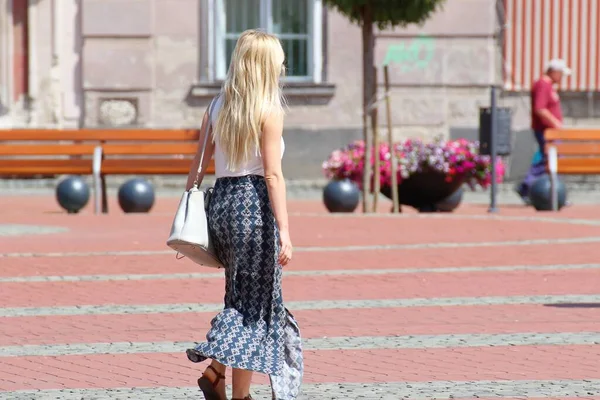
pixel 454 245
pixel 299 305
pixel 313 249
pixel 326 343
pixel 23 230
pixel 488 217
pixel 507 389
pixel 337 272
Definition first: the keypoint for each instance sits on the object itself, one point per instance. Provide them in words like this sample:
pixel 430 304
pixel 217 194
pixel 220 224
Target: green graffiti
pixel 411 56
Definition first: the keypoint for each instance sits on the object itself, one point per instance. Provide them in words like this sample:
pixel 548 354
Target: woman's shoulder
pixel 274 114
pixel 272 120
pixel 215 105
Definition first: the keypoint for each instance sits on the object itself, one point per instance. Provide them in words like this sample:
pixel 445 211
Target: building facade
pixel 157 63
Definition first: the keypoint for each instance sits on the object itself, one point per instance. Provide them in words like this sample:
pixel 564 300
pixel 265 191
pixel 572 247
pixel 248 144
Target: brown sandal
pixel 208 387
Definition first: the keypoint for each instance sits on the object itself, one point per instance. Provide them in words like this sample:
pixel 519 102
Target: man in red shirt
pixel 545 113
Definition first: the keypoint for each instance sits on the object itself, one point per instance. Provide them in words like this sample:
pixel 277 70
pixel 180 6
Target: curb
pixel 298 189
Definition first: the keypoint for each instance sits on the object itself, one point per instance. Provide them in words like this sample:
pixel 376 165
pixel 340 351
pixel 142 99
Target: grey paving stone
pixel 347 391
pixel 326 343
pixel 337 272
pixel 299 305
pixel 23 230
pixel 443 245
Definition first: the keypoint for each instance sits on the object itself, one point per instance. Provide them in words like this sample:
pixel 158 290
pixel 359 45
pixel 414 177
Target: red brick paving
pixel 116 231
pixel 134 232
pixel 417 365
pixel 328 260
pixel 314 324
pixel 298 288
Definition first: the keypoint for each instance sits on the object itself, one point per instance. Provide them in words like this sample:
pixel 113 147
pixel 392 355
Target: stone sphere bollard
pixel 72 194
pixel 136 196
pixel 341 196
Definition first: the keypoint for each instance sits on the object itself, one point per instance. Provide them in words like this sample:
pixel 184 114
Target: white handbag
pixel 189 233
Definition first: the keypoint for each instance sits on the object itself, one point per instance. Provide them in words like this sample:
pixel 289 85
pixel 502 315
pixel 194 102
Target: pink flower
pixel 457 159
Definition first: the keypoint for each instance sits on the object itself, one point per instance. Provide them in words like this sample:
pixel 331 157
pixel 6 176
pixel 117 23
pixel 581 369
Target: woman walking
pixel 248 224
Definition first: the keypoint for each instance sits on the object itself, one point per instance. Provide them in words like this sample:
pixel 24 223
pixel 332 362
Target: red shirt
pixel 543 96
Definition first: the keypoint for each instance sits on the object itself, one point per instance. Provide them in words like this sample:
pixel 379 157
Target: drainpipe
pixel 55 71
pixel 6 60
pixel 9 53
pixel 32 84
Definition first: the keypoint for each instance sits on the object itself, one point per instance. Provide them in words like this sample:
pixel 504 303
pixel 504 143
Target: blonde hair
pixel 250 92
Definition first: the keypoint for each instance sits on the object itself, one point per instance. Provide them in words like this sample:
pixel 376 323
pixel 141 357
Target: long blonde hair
pixel 250 92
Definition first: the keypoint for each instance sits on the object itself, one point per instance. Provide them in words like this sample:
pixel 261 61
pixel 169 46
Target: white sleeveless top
pixel 253 166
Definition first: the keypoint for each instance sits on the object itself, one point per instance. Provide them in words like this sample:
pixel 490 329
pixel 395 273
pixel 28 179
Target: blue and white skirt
pixel 254 331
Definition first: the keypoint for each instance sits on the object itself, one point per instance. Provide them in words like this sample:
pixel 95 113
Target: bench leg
pixel 96 174
pixel 553 170
pixel 97 194
pixel 554 191
pixel 104 195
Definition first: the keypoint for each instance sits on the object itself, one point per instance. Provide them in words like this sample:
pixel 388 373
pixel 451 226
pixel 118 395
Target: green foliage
pixel 387 13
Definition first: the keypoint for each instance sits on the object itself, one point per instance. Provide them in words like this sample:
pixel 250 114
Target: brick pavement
pixel 541 254
pixel 446 306
pixel 302 288
pixel 315 323
pixel 322 366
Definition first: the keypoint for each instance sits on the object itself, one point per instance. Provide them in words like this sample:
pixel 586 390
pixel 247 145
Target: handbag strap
pixel 207 130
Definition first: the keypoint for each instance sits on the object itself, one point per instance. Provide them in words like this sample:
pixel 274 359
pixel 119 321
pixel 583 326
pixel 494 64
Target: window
pixel 296 22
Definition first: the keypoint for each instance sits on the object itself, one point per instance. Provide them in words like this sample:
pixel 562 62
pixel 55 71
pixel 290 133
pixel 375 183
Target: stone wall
pixel 139 60
pixel 440 72
pixel 135 62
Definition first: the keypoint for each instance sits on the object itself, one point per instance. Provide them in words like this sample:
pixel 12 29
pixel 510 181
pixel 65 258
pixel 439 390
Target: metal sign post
pixel 493 149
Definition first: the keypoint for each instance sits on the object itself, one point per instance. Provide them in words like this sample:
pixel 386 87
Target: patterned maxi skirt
pixel 254 331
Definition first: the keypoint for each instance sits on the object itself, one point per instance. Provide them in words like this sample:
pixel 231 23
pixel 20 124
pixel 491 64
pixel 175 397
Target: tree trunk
pixel 368 44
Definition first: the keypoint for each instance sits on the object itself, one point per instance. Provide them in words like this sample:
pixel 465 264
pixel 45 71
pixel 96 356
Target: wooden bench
pixel 97 152
pixel 571 152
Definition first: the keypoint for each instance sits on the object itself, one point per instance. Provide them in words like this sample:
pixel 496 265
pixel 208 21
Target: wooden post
pixel 395 199
pixel 374 126
pixel 366 192
pixel 20 47
pixel 368 44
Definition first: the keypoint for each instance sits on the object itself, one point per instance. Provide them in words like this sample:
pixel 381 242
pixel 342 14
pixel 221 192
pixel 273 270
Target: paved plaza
pixel 440 306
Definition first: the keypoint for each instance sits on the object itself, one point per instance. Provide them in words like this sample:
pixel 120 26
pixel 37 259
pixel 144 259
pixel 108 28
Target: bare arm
pixel 208 154
pixel 271 156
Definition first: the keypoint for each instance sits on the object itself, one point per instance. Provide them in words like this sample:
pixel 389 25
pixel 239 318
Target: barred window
pixel 293 21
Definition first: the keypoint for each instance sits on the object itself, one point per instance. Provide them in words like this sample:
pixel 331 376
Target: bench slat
pixel 584 166
pixel 100 134
pixel 110 149
pixel 45 167
pixel 572 134
pixel 127 151
pixel 575 148
pixel 150 149
pixel 66 149
pixel 149 166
